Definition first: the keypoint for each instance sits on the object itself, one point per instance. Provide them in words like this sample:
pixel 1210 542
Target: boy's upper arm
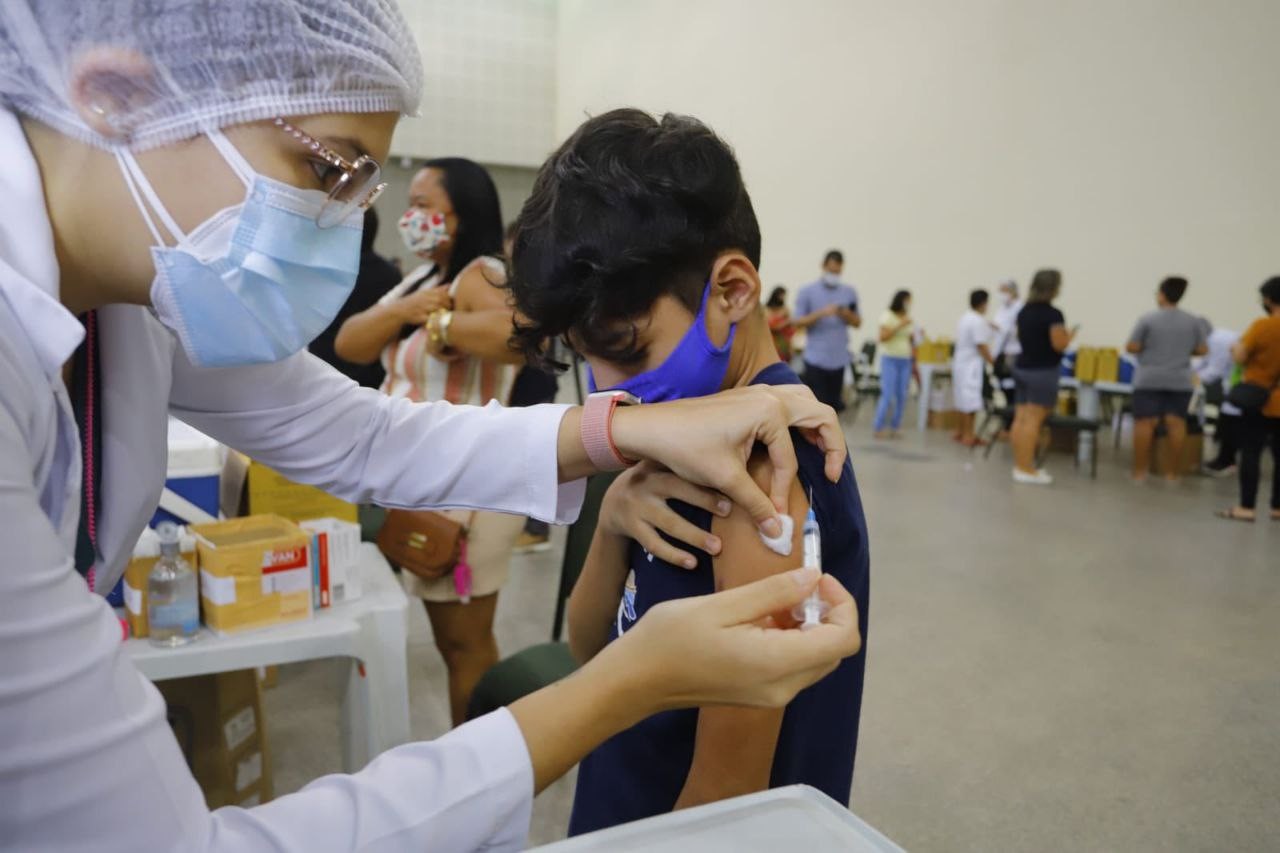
pixel 734 747
pixel 743 556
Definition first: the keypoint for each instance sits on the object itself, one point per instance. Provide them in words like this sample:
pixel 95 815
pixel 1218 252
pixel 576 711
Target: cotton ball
pixel 781 544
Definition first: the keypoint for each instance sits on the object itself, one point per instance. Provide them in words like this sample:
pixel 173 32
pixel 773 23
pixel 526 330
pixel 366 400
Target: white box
pixel 339 552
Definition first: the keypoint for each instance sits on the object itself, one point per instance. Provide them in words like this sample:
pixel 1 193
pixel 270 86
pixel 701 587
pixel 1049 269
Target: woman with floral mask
pixel 182 192
pixel 441 334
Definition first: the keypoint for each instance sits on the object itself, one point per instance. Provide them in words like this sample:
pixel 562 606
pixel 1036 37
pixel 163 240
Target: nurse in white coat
pixel 188 179
pixel 969 364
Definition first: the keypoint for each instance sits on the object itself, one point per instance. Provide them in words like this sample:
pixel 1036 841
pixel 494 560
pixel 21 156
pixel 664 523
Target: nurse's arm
pixel 734 747
pixel 985 352
pixel 315 426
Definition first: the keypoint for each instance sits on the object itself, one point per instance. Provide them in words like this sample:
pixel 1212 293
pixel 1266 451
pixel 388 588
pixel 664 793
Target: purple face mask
pixel 695 368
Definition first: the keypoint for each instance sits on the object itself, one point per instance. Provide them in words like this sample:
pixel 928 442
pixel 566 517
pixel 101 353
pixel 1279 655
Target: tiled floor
pixel 1094 666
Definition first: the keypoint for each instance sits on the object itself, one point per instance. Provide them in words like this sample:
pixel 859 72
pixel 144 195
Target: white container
pixel 796 817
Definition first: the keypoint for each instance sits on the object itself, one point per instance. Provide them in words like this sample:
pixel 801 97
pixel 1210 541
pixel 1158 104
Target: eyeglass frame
pixel 349 168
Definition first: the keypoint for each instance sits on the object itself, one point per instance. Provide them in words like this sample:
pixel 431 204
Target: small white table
pixel 928 373
pixel 371 631
pixel 793 818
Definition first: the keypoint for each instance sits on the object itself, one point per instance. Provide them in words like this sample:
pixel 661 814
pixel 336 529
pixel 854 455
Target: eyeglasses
pixel 357 187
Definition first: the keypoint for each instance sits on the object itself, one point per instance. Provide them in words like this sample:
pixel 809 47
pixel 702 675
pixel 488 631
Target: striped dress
pixel 414 373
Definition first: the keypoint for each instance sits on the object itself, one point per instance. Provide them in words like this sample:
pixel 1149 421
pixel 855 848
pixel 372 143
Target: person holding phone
pixel 1043 336
pixel 826 309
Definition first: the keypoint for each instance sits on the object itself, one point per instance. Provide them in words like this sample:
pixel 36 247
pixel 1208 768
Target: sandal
pixel 1231 514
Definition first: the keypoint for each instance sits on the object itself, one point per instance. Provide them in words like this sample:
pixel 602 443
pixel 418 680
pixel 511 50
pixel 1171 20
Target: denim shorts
pixel 1036 385
pixel 1155 403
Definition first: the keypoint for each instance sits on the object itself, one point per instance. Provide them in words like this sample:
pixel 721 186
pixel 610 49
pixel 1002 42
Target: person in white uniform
pixel 969 364
pixel 188 179
pixel 1007 347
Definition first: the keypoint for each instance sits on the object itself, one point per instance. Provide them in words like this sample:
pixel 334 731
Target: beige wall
pixel 945 144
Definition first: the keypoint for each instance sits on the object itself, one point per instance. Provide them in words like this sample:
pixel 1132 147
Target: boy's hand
pixel 707 441
pixel 636 507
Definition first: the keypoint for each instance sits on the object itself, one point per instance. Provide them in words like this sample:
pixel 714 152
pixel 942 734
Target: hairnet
pixel 209 63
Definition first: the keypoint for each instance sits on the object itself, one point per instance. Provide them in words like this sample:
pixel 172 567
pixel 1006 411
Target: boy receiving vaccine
pixel 640 246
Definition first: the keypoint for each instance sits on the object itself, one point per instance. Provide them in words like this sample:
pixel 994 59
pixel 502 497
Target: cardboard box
pixel 1086 364
pixel 948 420
pixel 934 352
pixel 335 567
pixel 1192 456
pixel 254 572
pixel 217 720
pixel 1108 365
pixel 271 493
pixel 134 583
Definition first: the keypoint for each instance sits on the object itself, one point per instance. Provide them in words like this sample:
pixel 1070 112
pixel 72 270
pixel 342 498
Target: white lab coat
pixel 967 364
pixel 87 761
pixel 1007 342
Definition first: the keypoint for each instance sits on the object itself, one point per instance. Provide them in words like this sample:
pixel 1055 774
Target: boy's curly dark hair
pixel 629 208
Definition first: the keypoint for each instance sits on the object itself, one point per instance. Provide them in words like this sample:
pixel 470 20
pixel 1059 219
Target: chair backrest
pixel 578 543
pixel 869 352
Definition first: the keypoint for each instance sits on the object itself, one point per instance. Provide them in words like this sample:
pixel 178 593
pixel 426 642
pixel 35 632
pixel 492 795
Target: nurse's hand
pixel 724 649
pixel 707 441
pixel 720 649
pixel 636 507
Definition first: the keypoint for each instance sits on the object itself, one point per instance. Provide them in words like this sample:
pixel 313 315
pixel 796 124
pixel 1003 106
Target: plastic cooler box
pixel 191 483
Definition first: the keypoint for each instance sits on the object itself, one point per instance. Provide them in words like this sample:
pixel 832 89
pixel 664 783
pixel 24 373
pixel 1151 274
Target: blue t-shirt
pixel 640 772
pixel 826 342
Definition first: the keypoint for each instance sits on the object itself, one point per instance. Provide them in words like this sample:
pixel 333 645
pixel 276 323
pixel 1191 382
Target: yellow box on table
pixel 271 492
pixel 254 572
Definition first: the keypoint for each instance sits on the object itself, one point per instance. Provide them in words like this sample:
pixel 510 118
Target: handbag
pixel 1248 397
pixel 424 542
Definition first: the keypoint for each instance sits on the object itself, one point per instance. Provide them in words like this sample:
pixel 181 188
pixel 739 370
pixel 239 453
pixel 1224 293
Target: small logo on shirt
pixel 627 606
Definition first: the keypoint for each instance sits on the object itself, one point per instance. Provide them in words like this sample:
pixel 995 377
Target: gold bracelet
pixel 446 320
pixel 432 327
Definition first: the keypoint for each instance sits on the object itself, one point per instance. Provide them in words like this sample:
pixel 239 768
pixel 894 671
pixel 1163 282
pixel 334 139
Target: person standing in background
pixel 377 276
pixel 1164 342
pixel 895 364
pixel 1258 352
pixel 1007 348
pixel 968 365
pixel 1043 336
pixel 442 334
pixel 826 309
pixel 1217 370
pixel 780 326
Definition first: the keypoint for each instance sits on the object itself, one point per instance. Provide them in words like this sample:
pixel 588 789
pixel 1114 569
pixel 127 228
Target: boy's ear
pixel 735 284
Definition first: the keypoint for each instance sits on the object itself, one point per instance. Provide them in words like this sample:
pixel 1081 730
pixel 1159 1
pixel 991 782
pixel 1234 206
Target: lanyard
pixel 86 389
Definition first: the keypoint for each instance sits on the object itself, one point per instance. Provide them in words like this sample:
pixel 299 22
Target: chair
pixel 545 663
pixel 1079 426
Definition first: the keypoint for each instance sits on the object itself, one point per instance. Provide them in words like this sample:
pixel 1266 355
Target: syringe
pixel 810 612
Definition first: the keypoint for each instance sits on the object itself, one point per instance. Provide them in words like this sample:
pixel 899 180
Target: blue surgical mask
pixel 830 279
pixel 256 282
pixel 695 368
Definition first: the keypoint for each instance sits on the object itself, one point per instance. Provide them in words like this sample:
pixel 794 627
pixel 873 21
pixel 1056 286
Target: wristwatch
pixel 597 432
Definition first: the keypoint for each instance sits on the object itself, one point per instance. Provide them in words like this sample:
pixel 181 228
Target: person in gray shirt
pixel 1164 342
